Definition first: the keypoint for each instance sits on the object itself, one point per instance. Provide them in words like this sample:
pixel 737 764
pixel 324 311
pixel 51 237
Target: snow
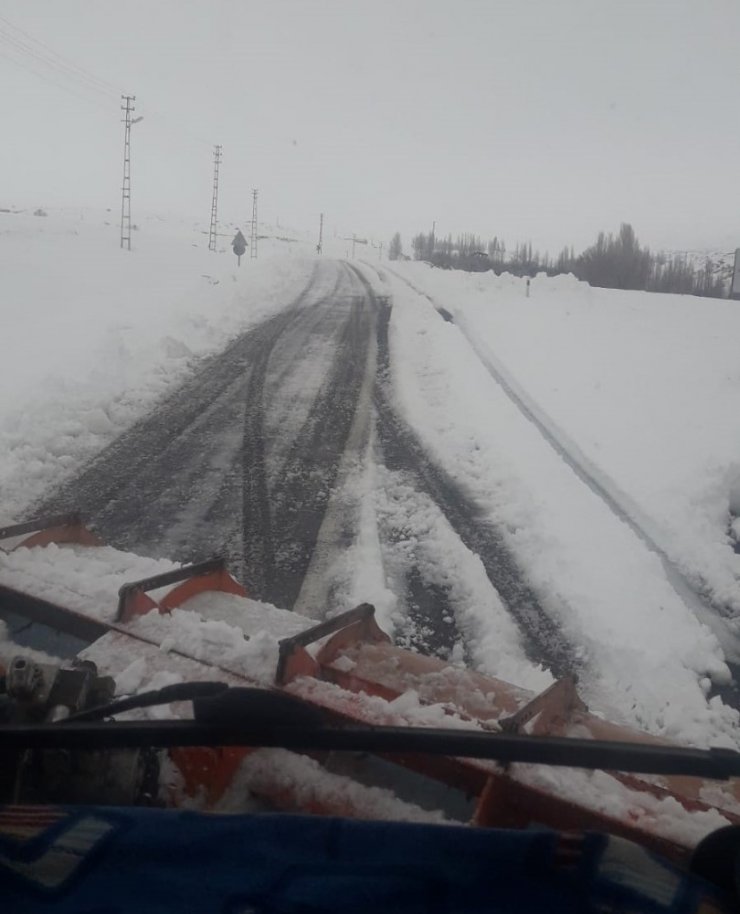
pixel 82 578
pixel 646 386
pixel 137 665
pixel 246 614
pixel 212 641
pixel 491 636
pixel 599 430
pixel 645 653
pixel 604 794
pixel 358 571
pixel 94 336
pixel 276 772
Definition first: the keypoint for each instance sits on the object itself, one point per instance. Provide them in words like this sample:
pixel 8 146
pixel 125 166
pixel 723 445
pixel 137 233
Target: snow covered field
pixel 93 335
pixel 601 428
pixel 642 388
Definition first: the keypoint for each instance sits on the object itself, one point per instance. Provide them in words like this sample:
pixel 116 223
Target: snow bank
pixel 647 659
pixel 93 336
pixel 647 385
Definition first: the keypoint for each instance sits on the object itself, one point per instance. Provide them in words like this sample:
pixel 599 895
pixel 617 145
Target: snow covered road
pixel 259 456
pixel 353 434
pixel 205 471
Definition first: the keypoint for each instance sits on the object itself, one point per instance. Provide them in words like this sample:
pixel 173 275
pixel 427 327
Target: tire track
pixel 166 487
pixel 542 639
pixel 214 468
pixel 696 598
pixel 233 463
pixel 304 487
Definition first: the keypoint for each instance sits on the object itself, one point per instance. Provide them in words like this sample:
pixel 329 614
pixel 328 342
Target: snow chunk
pixel 213 642
pixel 129 681
pixel 276 771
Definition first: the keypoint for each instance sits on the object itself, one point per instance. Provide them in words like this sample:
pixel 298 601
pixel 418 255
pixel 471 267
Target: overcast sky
pixel 530 119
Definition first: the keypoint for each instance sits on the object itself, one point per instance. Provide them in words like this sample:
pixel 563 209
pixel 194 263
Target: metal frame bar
pixel 129 591
pixel 287 647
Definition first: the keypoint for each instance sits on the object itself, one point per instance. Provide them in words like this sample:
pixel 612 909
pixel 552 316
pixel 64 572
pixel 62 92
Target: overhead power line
pixel 47 67
pixel 169 124
pixel 20 48
pixel 53 58
pixel 33 55
pixel 54 81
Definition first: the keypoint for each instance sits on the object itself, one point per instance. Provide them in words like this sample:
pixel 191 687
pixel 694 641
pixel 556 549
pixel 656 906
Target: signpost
pixel 239 244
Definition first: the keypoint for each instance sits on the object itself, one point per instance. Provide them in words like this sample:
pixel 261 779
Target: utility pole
pixel 253 237
pixel 320 245
pixel 434 229
pixel 213 230
pixel 380 251
pixel 126 186
pixel 353 245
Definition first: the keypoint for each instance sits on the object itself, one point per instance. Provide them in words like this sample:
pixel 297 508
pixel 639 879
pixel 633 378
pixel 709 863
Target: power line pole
pixel 126 186
pixel 320 245
pixel 353 244
pixel 253 237
pixel 213 230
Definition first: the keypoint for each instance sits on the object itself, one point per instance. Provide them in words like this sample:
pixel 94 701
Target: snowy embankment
pixel 610 370
pixel 93 336
pixel 647 385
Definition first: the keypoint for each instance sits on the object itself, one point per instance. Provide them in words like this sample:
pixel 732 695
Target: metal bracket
pixel 294 660
pixel 201 576
pixel 553 705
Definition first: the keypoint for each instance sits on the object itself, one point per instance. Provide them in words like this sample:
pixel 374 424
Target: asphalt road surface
pixel 245 460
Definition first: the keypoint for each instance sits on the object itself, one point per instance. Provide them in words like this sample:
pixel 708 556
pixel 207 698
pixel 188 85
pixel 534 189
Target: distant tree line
pixel 395 249
pixel 613 262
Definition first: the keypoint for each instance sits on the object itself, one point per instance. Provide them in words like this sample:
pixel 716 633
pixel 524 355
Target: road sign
pixel 239 244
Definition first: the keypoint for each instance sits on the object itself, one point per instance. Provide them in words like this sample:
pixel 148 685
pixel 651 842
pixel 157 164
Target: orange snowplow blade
pixel 348 668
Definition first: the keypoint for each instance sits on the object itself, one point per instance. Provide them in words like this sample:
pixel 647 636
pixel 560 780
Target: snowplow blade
pixel 348 669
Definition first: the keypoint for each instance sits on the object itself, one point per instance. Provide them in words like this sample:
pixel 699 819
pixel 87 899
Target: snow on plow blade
pixel 196 623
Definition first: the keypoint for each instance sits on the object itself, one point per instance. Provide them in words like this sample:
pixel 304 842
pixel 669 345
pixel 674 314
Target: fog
pixel 531 120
